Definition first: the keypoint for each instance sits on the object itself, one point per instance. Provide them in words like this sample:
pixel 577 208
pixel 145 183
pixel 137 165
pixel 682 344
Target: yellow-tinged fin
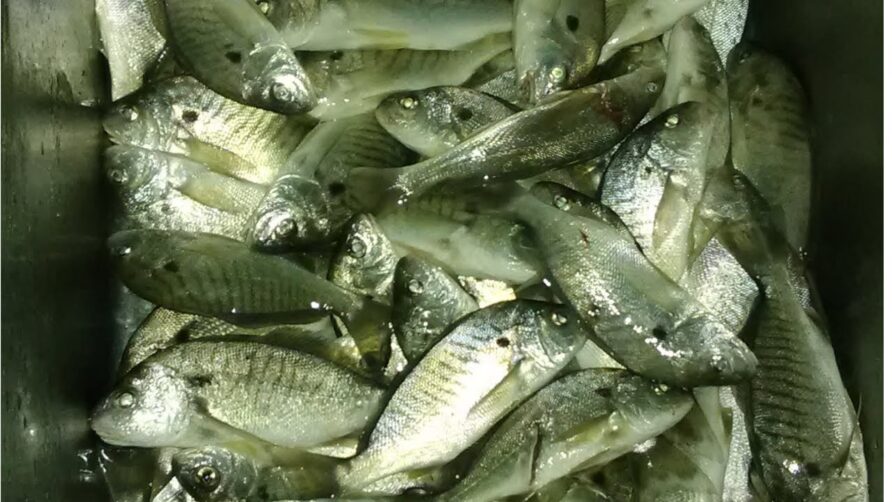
pixel 384 39
pixel 226 162
pixel 503 396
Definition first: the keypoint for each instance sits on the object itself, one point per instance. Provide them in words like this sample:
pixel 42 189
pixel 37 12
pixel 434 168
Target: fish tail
pixel 371 189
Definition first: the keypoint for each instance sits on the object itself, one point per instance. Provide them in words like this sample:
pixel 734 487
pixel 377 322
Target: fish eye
pixel 409 103
pixel 356 248
pixel 125 400
pixel 557 74
pixel 129 113
pixel 672 121
pixel 285 228
pixel 282 92
pixel 118 176
pixel 207 477
pixel 464 114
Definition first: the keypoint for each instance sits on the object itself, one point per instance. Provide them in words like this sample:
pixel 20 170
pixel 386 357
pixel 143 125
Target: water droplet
pixel 793 466
pixel 561 202
pixel 672 121
pixel 651 87
pixel 129 113
pixel 558 319
pixel 356 247
pixel 643 446
pixel 125 251
pixel 416 287
pixel 233 310
pixel 409 103
pixel 315 305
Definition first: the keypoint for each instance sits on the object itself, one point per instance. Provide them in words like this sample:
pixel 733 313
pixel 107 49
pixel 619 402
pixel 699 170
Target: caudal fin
pixel 371 189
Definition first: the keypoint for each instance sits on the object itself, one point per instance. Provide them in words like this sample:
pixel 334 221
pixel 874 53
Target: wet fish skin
pixel 644 20
pixel 573 128
pixel 318 25
pixel 490 361
pixel 294 213
pixel 430 121
pixel 636 313
pixel 556 44
pixel 210 392
pixel 180 115
pixel 578 204
pixel 725 21
pixel 133 40
pixel 365 261
pixel 426 301
pixel 234 50
pixel 580 421
pixel 770 136
pixel 214 276
pixel 351 82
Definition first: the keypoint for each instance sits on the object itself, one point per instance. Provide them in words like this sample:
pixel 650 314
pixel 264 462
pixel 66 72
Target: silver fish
pixel 556 44
pixel 635 312
pixel 353 82
pixel 583 420
pixel 389 24
pixel 770 136
pixel 426 300
pixel 574 127
pixel 644 20
pixel 488 363
pixel 725 20
pixel 133 40
pixel 431 121
pixel 365 261
pixel 204 393
pixel 180 115
pixel 234 50
pixel 578 204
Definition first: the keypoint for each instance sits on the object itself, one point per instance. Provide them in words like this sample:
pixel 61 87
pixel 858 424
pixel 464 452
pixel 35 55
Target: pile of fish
pixel 466 250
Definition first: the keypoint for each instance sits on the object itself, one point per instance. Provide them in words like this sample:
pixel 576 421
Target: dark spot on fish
pixel 337 55
pixel 336 188
pixel 464 114
pixel 584 237
pixel 172 266
pixel 234 57
pixel 182 335
pixel 190 116
pixel 503 342
pixel 200 380
pixel 599 477
pixel 811 469
pixel 757 101
pixel 659 333
pixel 603 392
pixel 572 23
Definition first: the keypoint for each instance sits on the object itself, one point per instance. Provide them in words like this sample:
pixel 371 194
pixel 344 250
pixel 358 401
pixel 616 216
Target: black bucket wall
pixel 59 342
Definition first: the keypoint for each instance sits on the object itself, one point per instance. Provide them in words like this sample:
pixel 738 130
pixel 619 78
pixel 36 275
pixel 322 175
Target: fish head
pixel 136 174
pixel 149 408
pixel 135 122
pixel 706 348
pixel 366 260
pixel 642 401
pixel 214 473
pixel 646 55
pixel 427 121
pixel 294 213
pixel 550 75
pixel 274 80
pixel 544 335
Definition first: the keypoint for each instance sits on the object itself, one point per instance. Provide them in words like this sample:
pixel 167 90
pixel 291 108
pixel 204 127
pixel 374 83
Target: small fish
pixel 644 20
pixel 490 361
pixel 656 180
pixel 770 136
pixel 214 473
pixel 582 420
pixel 365 261
pixel 305 206
pixel 204 393
pixel 319 25
pixel 180 115
pixel 426 300
pixel 636 313
pixel 574 127
pixel 351 82
pixel 431 121
pixel 556 44
pixel 134 37
pixel 234 50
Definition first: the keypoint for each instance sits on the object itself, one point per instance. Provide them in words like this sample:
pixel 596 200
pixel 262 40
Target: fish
pixel 656 180
pixel 180 115
pixel 591 356
pixel 632 310
pixel 578 204
pixel 216 473
pixel 644 20
pixel 569 490
pixel 725 21
pixel 803 427
pixel 350 82
pixel 417 483
pixel 426 301
pixel 483 246
pixel 580 421
pixel 204 393
pixel 556 44
pixel 476 374
pixel 736 483
pixel 365 261
pixel 320 25
pixel 431 121
pixel 233 49
pixel 134 38
pixel 571 128
pixel 770 136
pixel 305 205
